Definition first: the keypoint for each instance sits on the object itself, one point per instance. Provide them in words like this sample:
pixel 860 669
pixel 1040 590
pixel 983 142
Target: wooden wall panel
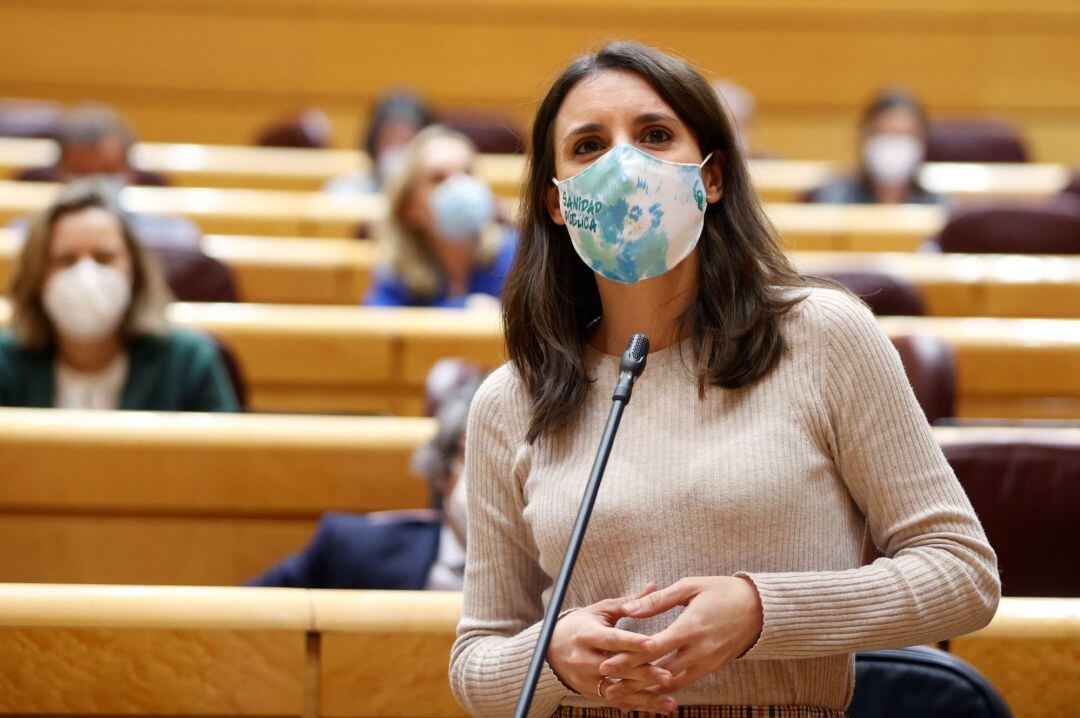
pixel 213 71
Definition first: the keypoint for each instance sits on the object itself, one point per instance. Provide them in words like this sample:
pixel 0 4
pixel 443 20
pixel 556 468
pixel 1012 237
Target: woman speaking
pixel 773 427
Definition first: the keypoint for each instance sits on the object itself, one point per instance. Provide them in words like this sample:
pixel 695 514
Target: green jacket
pixel 177 371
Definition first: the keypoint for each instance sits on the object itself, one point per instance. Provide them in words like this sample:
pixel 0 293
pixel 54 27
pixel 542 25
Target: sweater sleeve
pixel 500 621
pixel 939 576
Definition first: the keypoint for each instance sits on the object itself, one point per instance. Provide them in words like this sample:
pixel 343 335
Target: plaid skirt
pixel 710 712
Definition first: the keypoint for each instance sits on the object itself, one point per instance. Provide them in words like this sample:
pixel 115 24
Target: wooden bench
pixel 195 165
pixel 128 497
pixel 306 270
pixel 134 497
pixel 109 650
pixel 300 214
pixel 336 359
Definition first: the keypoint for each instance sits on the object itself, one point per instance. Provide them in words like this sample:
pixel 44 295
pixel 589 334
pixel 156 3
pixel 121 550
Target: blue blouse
pixel 387 290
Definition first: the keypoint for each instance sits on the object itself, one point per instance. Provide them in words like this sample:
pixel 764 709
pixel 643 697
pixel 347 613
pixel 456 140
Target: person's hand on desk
pixel 587 637
pixel 721 621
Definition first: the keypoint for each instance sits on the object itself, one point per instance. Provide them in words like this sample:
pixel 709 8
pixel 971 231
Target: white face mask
pixel 892 158
pixel 632 216
pixel 86 301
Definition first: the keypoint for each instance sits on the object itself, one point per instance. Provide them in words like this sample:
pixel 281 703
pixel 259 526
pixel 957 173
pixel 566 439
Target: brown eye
pixel 657 136
pixel 586 147
pixel 104 257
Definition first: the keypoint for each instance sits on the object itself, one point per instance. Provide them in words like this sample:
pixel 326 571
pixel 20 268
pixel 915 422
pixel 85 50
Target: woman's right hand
pixel 585 638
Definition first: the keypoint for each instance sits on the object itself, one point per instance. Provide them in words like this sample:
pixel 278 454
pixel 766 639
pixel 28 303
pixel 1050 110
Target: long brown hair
pixel 149 294
pixel 551 296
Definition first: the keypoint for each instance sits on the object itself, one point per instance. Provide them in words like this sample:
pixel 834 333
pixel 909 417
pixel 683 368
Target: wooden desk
pixel 300 214
pixel 224 166
pixel 247 167
pixel 310 270
pixel 346 359
pixel 161 498
pixel 352 654
pixel 970 285
pixel 135 497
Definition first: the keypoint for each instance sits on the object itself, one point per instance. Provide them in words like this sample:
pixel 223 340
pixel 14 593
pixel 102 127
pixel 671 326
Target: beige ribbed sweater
pixel 777 481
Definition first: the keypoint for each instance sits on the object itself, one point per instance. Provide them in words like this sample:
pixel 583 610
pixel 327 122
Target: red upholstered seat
pixel 491 132
pixel 196 277
pixel 1015 229
pixel 974 140
pixel 930 365
pixel 30 118
pixel 308 128
pixel 885 293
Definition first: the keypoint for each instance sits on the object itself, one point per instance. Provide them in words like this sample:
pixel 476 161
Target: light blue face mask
pixel 462 205
pixel 632 216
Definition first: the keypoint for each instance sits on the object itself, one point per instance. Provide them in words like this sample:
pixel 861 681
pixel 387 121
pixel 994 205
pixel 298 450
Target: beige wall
pixel 213 70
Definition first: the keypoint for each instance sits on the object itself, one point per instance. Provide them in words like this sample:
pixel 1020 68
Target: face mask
pixel 892 158
pixel 87 300
pixel 632 216
pixel 461 206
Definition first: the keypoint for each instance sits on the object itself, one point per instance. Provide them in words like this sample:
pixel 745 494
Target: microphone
pixel 630 367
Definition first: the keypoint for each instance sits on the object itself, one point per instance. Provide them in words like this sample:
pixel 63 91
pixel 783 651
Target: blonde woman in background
pixel 440 245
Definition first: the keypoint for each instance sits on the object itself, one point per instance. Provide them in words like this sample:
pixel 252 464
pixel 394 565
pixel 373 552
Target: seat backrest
pixel 491 132
pixel 196 277
pixel 974 140
pixel 1027 496
pixel 30 118
pixel 1014 229
pixel 922 682
pixel 930 364
pixel 308 128
pixel 884 293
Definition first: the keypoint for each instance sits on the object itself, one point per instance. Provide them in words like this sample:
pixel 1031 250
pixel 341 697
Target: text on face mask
pixel 581 212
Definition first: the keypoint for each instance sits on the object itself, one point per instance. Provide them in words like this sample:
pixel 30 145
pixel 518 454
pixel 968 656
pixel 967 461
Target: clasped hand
pixel 721 620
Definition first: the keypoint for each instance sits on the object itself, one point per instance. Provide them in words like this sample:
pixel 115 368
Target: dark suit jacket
pixel 388 550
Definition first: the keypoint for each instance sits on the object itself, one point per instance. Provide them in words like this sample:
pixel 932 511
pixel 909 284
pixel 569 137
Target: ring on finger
pixel 600 685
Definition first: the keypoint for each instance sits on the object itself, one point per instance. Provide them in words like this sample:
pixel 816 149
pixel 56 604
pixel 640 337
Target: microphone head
pixel 637 351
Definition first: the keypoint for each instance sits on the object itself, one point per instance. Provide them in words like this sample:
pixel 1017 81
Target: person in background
pixel 741 107
pixel 440 245
pixel 94 140
pixel 406 550
pixel 88 329
pixel 892 145
pixel 396 119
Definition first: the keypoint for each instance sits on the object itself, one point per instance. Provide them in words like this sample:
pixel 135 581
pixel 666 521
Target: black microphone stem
pixel 558 593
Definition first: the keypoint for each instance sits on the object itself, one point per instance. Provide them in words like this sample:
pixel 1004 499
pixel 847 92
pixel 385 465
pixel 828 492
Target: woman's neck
pixel 89 357
pixel 654 307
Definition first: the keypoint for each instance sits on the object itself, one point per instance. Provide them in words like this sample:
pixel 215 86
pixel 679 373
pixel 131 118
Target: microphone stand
pixel 630 367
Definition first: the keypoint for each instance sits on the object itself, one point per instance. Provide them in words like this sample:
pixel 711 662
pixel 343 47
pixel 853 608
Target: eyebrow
pixel 639 120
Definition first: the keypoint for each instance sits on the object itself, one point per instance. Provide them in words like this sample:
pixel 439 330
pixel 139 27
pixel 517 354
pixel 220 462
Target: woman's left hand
pixel 721 621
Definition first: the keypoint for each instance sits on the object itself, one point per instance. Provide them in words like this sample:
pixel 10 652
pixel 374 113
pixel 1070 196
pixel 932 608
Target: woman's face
pixel 616 106
pixel 441 158
pixel 893 147
pixel 91 232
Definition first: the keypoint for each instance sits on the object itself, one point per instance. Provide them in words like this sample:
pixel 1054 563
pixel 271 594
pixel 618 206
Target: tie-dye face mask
pixel 632 216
